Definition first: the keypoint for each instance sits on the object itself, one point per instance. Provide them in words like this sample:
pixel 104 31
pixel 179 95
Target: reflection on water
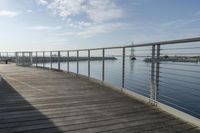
pixel 179 83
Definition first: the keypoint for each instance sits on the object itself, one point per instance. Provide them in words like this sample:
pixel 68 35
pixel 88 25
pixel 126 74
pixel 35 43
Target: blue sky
pixel 75 24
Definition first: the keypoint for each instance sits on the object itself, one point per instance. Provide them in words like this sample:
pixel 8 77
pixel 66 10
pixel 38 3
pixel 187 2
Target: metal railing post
pixel 51 59
pixel 23 61
pixel 152 89
pixel 43 58
pixel 16 58
pixel 58 60
pixel 157 73
pixel 89 63
pixel 31 58
pixel 68 61
pixel 77 59
pixel 103 64
pixel 36 60
pixel 123 68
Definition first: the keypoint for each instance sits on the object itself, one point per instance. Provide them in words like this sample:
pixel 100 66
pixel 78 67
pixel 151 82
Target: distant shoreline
pixel 65 59
pixel 176 59
pixel 41 59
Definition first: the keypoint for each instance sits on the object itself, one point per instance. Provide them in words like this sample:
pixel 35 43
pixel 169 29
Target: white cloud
pixel 60 41
pixel 67 34
pixel 6 13
pixel 42 2
pixel 95 30
pixel 94 16
pixel 102 10
pixel 95 10
pixel 100 29
pixel 29 11
pixel 45 28
pixel 66 8
pixel 79 24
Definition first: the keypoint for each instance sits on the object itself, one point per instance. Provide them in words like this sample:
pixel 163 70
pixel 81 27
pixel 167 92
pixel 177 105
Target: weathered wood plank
pixel 38 100
pixel 146 127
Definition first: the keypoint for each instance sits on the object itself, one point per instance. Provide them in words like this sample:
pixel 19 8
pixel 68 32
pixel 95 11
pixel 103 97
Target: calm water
pixel 179 82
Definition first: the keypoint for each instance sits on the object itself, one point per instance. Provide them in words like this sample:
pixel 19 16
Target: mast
pixel 132 50
pixel 132 56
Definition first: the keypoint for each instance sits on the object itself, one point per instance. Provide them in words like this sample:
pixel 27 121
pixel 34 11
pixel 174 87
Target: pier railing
pixel 166 72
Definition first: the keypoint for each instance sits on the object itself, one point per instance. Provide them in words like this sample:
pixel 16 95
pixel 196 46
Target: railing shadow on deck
pixel 18 115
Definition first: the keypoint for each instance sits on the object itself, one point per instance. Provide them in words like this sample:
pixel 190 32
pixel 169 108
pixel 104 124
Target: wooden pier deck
pixel 34 100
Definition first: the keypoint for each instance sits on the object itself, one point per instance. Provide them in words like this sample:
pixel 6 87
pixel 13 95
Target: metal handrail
pixel 195 39
pixel 155 64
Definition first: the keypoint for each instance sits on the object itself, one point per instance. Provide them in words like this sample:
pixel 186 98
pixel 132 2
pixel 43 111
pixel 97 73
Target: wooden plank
pixel 46 101
pixel 106 125
pixel 71 119
pixel 69 126
pixel 72 114
pixel 154 125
